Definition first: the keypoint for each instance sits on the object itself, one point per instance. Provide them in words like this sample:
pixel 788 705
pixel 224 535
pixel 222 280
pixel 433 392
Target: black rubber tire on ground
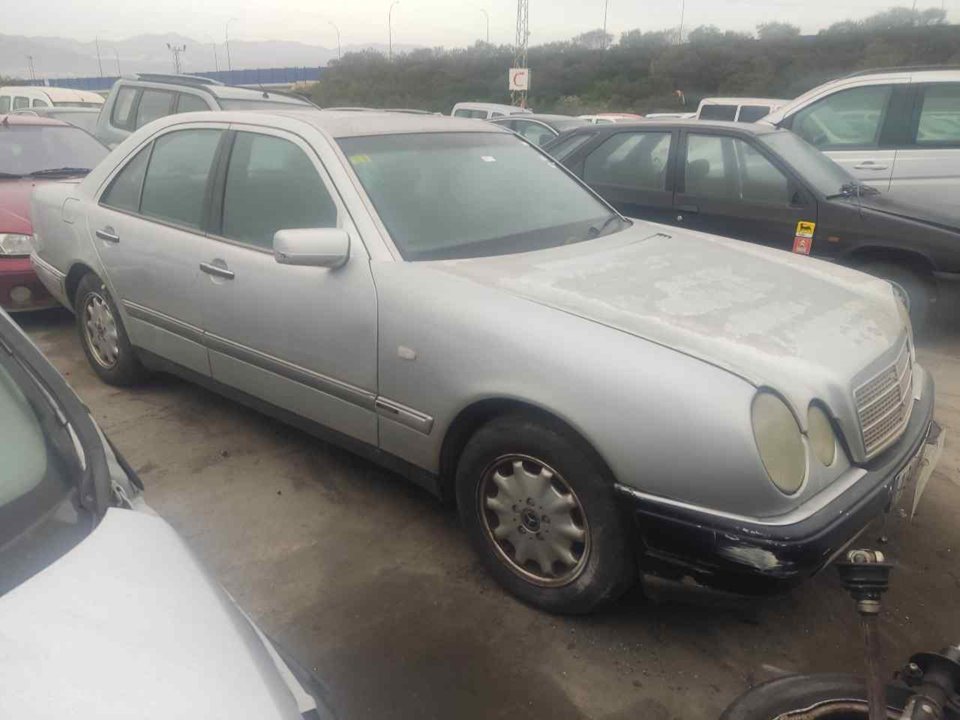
pixel 795 693
pixel 918 288
pixel 127 370
pixel 609 568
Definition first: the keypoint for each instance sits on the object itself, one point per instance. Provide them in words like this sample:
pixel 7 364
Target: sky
pixel 448 23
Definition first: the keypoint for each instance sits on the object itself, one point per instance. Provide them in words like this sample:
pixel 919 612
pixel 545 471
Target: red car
pixel 33 150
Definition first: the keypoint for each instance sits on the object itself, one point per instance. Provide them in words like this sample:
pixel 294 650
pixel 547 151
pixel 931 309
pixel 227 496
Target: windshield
pixel 455 195
pixel 39 517
pixel 27 149
pixel 812 165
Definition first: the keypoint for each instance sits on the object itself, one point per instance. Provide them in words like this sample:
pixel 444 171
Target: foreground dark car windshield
pixel 26 149
pixel 457 195
pixel 809 163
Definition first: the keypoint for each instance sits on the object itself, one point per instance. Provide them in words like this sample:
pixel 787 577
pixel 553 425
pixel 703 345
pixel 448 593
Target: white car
pixel 15 97
pixel 486 111
pixel 737 109
pixel 896 130
pixel 104 611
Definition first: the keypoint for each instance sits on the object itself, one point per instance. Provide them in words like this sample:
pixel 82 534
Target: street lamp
pixel 226 41
pixel 683 7
pixel 604 39
pixel 390 29
pixel 332 23
pixel 117 56
pixel 487 16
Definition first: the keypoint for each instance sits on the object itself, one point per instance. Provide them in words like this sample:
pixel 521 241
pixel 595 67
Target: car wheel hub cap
pixel 101 330
pixel 534 520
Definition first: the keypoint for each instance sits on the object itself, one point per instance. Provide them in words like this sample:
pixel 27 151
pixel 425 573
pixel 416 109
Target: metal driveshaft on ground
pixel 866 576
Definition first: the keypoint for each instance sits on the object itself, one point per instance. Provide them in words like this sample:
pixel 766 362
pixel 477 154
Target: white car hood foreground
pixel 128 625
pixel 790 322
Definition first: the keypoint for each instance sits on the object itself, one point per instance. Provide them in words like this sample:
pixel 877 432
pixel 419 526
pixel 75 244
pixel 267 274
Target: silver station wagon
pixel 599 396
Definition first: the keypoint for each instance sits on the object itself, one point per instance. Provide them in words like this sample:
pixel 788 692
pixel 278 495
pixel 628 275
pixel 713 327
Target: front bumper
pixel 20 289
pixel 752 556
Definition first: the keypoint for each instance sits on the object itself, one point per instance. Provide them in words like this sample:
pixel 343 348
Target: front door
pixel 632 171
pixel 301 338
pixel 147 229
pixel 728 186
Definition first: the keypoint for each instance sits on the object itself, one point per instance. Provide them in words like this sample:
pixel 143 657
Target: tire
pixel 796 693
pixel 563 544
pixel 98 322
pixel 917 288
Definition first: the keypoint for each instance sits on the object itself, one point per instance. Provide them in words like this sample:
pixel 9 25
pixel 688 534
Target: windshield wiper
pixel 597 230
pixel 854 189
pixel 60 171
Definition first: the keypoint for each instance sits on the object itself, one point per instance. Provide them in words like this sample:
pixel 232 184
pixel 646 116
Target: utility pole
pixel 33 74
pixel 683 7
pixel 177 50
pixel 216 60
pixel 117 56
pixel 390 30
pixel 226 42
pixel 99 61
pixel 338 36
pixel 487 16
pixel 604 40
pixel 519 97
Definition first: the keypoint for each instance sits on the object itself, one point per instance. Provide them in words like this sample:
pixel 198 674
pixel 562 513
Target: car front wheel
pixel 103 335
pixel 540 510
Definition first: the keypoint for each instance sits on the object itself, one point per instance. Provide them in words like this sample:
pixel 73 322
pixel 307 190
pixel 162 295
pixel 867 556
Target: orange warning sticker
pixel 802 245
pixel 805 229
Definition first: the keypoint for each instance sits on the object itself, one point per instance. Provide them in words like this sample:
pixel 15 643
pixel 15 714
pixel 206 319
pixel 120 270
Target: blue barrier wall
pixel 259 76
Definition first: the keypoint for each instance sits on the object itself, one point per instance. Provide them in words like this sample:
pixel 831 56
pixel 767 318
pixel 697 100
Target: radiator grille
pixel 884 403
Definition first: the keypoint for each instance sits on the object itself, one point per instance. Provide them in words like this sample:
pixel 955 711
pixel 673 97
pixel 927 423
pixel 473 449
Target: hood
pixel 799 325
pixel 927 208
pixel 128 625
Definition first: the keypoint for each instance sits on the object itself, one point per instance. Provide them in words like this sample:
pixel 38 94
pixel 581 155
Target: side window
pixel 752 113
pixel 176 182
pixel 534 132
pixel 566 147
pixel 846 119
pixel 940 115
pixel 462 113
pixel 726 168
pixel 123 192
pixel 190 103
pixel 718 112
pixel 636 160
pixel 122 108
pixel 40 103
pixel 272 185
pixel 154 104
pixel 4 104
pixel 21 102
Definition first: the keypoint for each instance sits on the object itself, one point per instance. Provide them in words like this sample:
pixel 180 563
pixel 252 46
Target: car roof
pixel 217 89
pixel 16 119
pixel 741 101
pixel 673 123
pixel 546 117
pixel 56 94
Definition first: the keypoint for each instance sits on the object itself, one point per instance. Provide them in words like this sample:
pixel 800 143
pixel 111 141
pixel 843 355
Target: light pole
pixel 99 62
pixel 117 56
pixel 487 16
pixel 683 7
pixel 390 29
pixel 604 40
pixel 332 23
pixel 226 41
pixel 177 50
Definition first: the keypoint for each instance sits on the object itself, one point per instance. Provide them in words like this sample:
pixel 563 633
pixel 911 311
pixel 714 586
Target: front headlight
pixel 12 244
pixel 820 432
pixel 779 441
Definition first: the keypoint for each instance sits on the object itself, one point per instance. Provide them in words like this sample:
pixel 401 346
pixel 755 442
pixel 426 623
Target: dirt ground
pixel 369 580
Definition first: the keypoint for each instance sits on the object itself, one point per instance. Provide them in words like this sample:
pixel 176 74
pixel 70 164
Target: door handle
pixel 108 234
pixel 217 270
pixel 688 208
pixel 869 165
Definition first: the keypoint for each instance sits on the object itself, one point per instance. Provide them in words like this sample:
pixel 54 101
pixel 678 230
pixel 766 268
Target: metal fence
pixel 250 78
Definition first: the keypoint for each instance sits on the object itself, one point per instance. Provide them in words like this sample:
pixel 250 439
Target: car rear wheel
pixel 541 512
pixel 103 335
pixel 910 285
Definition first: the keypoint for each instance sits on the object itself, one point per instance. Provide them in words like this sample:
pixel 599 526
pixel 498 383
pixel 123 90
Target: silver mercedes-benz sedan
pixel 598 395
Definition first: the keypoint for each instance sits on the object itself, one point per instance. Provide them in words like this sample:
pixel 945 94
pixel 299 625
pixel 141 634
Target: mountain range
pixel 56 57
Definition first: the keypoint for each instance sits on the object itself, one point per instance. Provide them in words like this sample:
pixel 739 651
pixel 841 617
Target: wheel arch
pixel 911 259
pixel 72 281
pixel 472 417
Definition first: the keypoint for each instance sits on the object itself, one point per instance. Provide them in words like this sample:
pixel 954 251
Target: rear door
pixel 927 166
pixel 730 186
pixel 536 132
pixel 848 126
pixel 633 171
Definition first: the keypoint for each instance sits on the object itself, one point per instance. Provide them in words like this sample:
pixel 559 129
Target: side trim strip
pixel 323 383
pixel 404 415
pixel 43 264
pixel 177 327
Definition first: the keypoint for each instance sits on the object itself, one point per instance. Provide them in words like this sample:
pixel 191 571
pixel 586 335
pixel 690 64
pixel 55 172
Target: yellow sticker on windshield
pixel 359 159
pixel 805 229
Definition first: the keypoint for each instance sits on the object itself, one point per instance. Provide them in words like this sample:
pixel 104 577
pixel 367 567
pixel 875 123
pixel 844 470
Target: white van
pixel 737 109
pixel 485 111
pixel 14 97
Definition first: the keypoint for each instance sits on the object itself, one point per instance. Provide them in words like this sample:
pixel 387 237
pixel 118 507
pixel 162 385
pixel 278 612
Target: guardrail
pixel 267 77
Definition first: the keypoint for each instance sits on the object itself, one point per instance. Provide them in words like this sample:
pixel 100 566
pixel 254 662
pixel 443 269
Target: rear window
pixel 154 104
pixel 5 104
pixel 718 112
pixel 752 113
pixel 564 148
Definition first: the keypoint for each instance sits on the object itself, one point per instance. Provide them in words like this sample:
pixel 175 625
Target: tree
pixel 777 31
pixel 593 40
pixel 705 34
pixel 654 39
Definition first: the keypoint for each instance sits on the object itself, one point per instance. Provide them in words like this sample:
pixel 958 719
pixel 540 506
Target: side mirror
pixel 317 247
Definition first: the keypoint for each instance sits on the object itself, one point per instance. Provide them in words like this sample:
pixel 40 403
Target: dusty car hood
pixel 800 325
pixel 128 625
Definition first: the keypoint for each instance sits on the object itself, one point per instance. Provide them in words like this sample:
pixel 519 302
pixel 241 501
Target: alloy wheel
pixel 100 328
